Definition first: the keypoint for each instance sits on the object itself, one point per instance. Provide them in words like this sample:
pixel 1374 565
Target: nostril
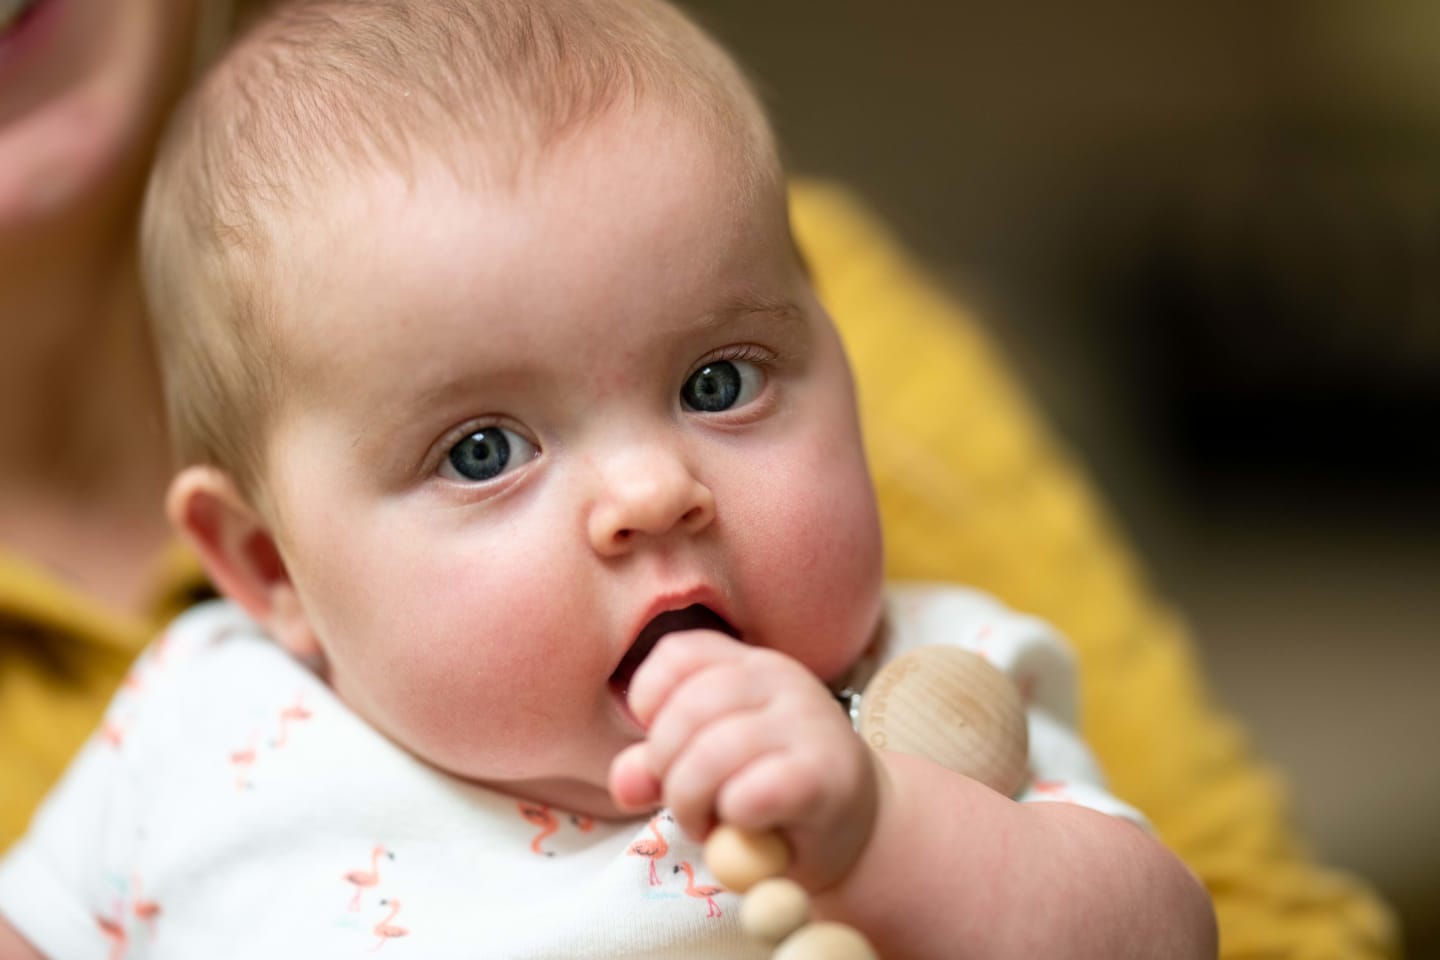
pixel 692 515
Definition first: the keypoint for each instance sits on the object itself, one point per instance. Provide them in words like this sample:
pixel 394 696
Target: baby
pixel 529 464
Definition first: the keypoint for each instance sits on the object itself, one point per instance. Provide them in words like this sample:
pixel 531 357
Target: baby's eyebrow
pixel 782 310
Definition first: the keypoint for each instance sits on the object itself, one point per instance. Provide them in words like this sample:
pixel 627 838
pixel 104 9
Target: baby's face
pixel 533 422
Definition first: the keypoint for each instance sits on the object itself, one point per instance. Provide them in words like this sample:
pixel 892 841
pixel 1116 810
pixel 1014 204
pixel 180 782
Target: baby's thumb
pixel 633 786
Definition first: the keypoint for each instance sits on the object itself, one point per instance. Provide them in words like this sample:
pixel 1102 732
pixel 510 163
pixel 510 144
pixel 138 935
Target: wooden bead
pixel 825 941
pixel 740 859
pixel 774 909
pixel 949 706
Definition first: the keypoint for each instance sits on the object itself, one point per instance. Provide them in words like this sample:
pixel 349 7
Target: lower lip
pixel 24 38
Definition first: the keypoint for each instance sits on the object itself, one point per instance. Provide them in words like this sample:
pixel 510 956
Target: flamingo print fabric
pixel 231 805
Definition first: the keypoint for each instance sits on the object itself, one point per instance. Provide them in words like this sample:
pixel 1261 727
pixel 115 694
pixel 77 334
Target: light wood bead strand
pixel 776 910
pixel 943 704
pixel 773 909
pixel 825 941
pixel 739 859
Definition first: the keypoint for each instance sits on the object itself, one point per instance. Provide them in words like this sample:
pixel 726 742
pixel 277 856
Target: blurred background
pixel 1208 238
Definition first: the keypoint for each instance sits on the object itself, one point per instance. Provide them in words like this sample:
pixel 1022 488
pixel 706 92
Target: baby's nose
pixel 647 493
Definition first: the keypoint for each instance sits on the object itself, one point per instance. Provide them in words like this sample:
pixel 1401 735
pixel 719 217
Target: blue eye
pixel 722 384
pixel 486 454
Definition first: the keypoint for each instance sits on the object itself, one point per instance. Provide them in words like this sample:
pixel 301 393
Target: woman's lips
pixel 12 12
pixel 26 26
pixel 697 616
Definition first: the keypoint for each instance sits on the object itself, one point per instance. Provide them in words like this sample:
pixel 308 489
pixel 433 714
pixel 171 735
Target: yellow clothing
pixel 61 656
pixel 972 490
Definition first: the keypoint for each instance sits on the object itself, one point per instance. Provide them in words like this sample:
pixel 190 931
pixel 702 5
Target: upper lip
pixel 674 602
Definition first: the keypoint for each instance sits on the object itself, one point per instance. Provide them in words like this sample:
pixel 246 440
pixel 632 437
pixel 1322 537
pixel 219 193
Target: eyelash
pixel 748 352
pixel 446 443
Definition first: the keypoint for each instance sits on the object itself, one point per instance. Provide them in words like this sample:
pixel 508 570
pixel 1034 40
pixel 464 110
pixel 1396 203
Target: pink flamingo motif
pixel 242 760
pixel 113 928
pixel 294 713
pixel 112 734
pixel 364 879
pixel 1053 788
pixel 705 893
pixel 539 815
pixel 145 910
pixel 653 850
pixel 386 930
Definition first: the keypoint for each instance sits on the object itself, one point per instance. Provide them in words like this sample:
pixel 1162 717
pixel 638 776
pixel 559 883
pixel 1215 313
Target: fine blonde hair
pixel 317 89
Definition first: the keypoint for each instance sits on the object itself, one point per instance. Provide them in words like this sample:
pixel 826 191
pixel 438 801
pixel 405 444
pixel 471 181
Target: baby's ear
pixel 240 554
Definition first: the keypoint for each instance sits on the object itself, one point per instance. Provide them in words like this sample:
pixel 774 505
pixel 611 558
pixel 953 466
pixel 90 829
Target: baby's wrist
pixel 882 790
pixel 841 848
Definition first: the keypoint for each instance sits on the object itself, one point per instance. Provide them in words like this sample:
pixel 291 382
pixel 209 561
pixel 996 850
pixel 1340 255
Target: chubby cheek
pixel 813 537
pixel 460 652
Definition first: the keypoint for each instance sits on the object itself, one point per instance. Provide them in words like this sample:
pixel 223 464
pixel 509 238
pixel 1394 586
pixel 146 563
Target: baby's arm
pixel 919 858
pixel 15 947
pixel 950 862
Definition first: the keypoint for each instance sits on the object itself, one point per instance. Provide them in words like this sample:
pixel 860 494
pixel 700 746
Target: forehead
pixel 634 220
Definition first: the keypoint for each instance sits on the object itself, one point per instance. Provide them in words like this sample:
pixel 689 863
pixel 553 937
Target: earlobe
pixel 239 553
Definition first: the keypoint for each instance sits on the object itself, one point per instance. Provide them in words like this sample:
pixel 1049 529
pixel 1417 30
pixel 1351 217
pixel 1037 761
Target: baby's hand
pixel 748 736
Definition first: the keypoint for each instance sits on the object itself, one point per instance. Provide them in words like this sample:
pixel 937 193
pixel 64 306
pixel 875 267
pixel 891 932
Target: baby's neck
pixel 584 800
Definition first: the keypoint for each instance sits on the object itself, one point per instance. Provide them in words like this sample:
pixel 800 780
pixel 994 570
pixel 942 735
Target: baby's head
pixel 491 360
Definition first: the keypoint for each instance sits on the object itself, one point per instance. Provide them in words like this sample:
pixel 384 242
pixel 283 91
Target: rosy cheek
pixel 473 615
pixel 456 636
pixel 480 665
pixel 819 545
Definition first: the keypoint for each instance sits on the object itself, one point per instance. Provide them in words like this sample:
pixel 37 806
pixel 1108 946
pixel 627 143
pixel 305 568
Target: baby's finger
pixel 698 700
pixel 633 785
pixel 822 802
pixel 772 794
pixel 717 753
pixel 766 794
pixel 674 658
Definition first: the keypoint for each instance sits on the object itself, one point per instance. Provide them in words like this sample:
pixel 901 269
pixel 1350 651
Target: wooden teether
pixel 774 909
pixel 950 706
pixel 740 859
pixel 825 941
pixel 943 704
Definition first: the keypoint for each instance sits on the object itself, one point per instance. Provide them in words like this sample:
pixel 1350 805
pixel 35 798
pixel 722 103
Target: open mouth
pixel 697 616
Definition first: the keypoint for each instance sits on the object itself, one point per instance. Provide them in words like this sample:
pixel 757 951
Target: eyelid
pixel 750 352
pixel 763 359
pixel 439 452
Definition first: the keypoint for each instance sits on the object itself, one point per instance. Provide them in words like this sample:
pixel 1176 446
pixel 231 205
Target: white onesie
pixel 231 806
